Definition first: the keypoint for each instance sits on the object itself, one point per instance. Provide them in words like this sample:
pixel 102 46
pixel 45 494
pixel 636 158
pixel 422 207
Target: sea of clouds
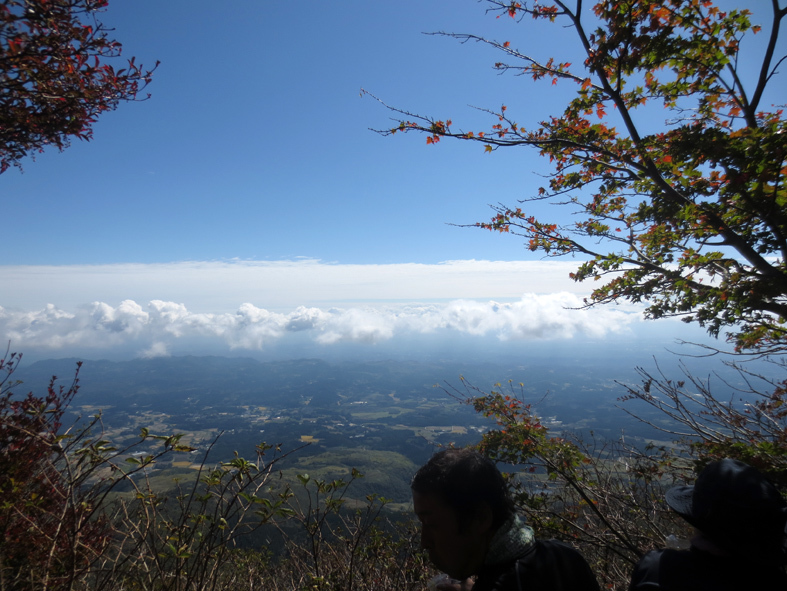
pixel 158 327
pixel 224 307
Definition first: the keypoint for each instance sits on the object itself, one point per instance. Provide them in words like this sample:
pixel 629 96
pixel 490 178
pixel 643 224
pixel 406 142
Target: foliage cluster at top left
pixel 55 79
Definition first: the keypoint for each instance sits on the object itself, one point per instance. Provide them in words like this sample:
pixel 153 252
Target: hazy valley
pixel 384 418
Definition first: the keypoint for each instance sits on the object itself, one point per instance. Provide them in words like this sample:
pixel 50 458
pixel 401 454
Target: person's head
pixel 461 499
pixel 734 506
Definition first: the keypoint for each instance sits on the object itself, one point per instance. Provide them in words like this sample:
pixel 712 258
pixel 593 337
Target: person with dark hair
pixel 740 537
pixel 471 531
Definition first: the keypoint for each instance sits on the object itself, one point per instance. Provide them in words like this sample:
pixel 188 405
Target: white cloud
pixel 128 318
pixel 155 350
pixel 552 316
pixel 156 310
pixel 162 325
pixel 367 326
pixel 214 287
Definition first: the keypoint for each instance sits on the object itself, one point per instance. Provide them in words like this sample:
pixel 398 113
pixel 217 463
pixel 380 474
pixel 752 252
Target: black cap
pixel 735 506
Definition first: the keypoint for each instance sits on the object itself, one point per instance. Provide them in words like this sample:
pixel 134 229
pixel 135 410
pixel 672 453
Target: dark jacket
pixel 694 570
pixel 547 566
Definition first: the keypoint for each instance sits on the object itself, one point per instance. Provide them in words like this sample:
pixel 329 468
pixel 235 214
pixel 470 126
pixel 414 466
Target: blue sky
pixel 255 143
pixel 248 200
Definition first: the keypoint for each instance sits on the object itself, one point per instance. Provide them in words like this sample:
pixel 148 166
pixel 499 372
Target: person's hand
pixel 454 585
pixel 445 583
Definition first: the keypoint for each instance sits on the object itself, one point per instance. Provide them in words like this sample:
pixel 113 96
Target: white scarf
pixel 512 540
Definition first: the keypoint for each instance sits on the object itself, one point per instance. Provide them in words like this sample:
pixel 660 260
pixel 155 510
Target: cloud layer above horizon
pixel 168 308
pixel 221 286
pixel 161 326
